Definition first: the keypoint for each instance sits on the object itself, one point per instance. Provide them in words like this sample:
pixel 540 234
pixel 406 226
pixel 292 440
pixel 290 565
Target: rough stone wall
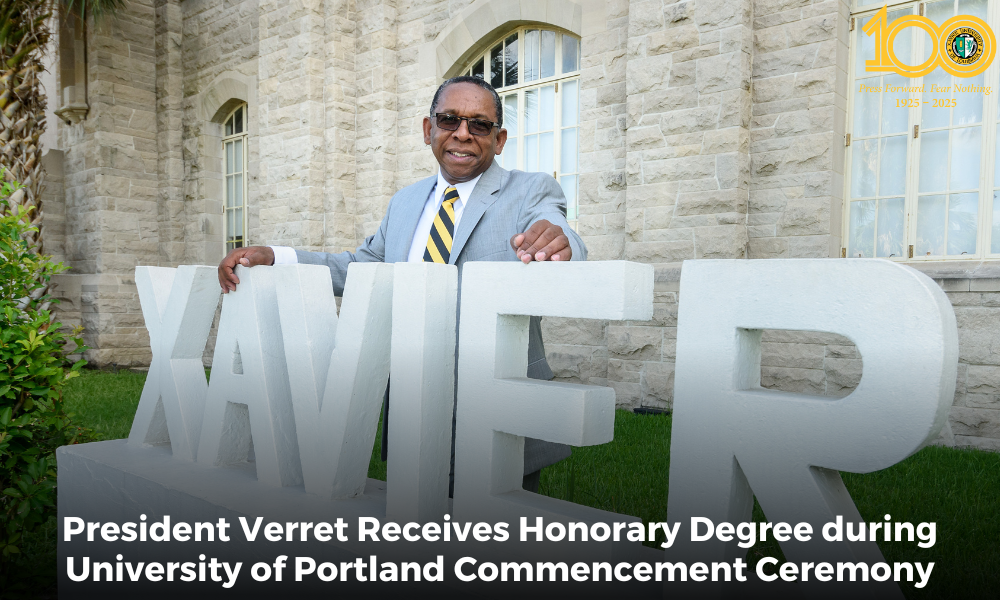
pixel 799 110
pixel 666 86
pixel 54 199
pixel 717 167
pixel 216 38
pixel 110 175
pixel 64 287
pixel 375 66
pixel 806 362
pixel 577 349
pixel 689 104
pixel 292 123
pixel 975 415
pixel 341 95
pixel 169 28
pixel 602 133
pixel 420 21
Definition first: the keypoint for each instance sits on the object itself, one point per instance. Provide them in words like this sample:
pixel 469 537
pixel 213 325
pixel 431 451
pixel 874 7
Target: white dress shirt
pixel 283 255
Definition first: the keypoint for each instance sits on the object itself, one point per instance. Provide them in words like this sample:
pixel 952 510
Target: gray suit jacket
pixel 503 204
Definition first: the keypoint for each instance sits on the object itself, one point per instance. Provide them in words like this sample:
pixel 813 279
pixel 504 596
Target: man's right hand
pixel 250 256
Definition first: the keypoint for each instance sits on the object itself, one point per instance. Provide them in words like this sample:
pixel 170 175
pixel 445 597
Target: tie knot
pixel 450 195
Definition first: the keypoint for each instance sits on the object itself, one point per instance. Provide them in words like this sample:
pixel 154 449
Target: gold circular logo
pixel 964 46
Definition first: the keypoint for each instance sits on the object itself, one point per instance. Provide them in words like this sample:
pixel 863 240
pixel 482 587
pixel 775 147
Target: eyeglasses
pixel 453 122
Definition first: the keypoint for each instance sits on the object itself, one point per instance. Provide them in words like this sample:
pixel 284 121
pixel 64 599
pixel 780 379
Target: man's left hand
pixel 542 241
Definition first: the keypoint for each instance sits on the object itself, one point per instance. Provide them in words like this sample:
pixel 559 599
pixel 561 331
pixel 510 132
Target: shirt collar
pixel 464 189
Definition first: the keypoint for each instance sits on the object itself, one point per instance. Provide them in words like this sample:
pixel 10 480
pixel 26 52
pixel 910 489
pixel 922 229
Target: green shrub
pixel 34 368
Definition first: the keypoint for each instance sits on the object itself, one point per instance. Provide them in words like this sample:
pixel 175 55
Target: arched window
pixel 234 149
pixel 537 74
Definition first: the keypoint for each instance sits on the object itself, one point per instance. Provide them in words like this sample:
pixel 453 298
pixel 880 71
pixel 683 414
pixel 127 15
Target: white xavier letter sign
pixel 301 387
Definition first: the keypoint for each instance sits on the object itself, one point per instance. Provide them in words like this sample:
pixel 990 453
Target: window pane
pixel 894 118
pixel 976 8
pixel 570 54
pixel 479 69
pixel 238 156
pixel 934 161
pixel 230 224
pixel 930 116
pixel 229 157
pixel 546 153
pixel 889 242
pixel 238 121
pixel 510 115
pixel 863 169
pixel 238 222
pixel 510 60
pixel 995 238
pixel 531 153
pixel 925 47
pixel 568 184
pixel 547 110
pixel 965 158
pixel 238 190
pixel 230 196
pixel 866 108
pixel 548 67
pixel 866 48
pixel 963 220
pixel 496 66
pixel 570 103
pixel 939 12
pixel 892 166
pixel 903 44
pixel 567 161
pixel 996 168
pixel 509 154
pixel 930 226
pixel 530 62
pixel 968 107
pixel 531 111
pixel 862 233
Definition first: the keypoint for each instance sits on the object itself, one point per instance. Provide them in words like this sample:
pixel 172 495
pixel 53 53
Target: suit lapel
pixel 483 195
pixel 398 246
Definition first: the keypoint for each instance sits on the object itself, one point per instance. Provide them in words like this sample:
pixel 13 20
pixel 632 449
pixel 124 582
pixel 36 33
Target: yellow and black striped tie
pixel 443 230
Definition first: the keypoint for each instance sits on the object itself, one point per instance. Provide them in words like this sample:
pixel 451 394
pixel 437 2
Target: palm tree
pixel 24 32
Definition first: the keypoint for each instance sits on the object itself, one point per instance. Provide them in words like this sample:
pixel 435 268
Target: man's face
pixel 464 156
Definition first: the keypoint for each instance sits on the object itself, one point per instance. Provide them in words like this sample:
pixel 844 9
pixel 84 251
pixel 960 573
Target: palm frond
pixel 98 8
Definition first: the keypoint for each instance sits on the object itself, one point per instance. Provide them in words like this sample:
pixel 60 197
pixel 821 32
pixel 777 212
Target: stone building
pixel 679 130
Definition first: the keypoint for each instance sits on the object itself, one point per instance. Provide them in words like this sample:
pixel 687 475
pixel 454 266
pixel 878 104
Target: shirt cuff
pixel 283 255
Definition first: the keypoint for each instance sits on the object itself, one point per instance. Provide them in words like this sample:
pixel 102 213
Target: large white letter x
pixel 178 306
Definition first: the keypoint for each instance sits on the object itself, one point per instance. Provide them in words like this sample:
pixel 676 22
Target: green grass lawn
pixel 957 489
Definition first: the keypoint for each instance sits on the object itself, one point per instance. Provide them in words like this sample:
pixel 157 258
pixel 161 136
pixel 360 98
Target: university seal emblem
pixel 964 46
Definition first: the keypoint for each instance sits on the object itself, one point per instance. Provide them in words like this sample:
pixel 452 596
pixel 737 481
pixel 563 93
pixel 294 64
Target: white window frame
pixel 559 79
pixel 230 240
pixel 988 141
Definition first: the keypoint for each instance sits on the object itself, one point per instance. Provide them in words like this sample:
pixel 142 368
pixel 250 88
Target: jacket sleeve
pixel 545 200
pixel 371 250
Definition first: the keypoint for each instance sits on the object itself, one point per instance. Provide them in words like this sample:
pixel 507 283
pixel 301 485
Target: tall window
pixel 537 74
pixel 234 146
pixel 922 182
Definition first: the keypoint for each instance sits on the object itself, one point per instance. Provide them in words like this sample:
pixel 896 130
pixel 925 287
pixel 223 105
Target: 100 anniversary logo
pixel 963 46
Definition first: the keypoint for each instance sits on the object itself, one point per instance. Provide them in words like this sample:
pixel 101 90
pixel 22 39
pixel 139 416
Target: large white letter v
pixel 337 369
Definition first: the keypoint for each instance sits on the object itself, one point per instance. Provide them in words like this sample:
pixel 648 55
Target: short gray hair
pixel 474 81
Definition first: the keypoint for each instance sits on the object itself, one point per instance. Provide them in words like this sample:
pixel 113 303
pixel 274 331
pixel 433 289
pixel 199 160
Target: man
pixel 471 210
